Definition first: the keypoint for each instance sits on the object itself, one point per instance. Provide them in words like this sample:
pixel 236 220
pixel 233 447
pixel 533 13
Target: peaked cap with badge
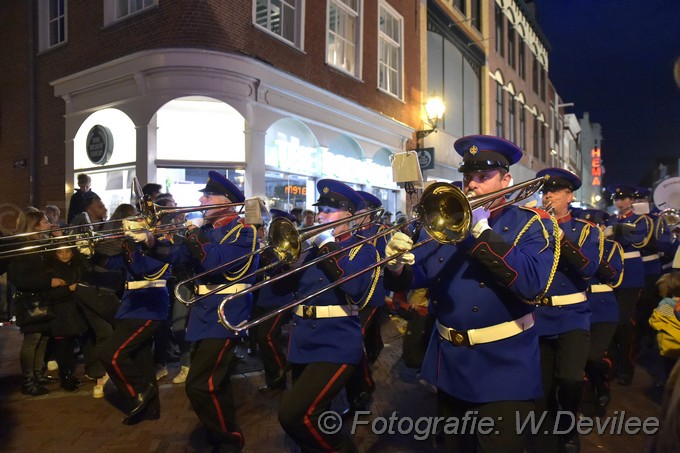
pixel 338 195
pixel 559 179
pixel 369 201
pixel 619 191
pixel 220 185
pixel 486 152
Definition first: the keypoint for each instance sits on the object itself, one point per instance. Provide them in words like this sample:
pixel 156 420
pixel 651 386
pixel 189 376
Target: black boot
pixel 569 396
pixel 42 378
pixel 598 372
pixel 31 387
pixel 68 381
pixel 140 402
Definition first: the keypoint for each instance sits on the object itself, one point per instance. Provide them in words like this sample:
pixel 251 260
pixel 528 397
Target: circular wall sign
pixel 99 145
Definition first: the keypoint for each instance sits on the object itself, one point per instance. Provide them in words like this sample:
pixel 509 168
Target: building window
pixel 542 84
pixel 282 18
pixel 511 119
pixel 521 64
pixel 500 20
pixel 390 54
pixel 522 127
pixel 511 46
pixel 344 30
pixel 115 10
pixel 534 73
pixel 500 109
pixel 460 5
pixel 476 14
pixel 544 154
pixel 535 137
pixel 52 15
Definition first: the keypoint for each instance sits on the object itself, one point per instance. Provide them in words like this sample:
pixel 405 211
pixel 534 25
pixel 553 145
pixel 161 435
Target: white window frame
pixel 111 8
pixel 298 32
pixel 385 40
pixel 45 21
pixel 358 15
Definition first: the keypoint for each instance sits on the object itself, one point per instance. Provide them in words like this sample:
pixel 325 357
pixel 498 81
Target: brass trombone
pixel 285 240
pixel 444 211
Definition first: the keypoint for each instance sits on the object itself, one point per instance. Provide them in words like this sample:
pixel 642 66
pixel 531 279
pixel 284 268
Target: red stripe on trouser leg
pixel 216 403
pixel 114 361
pixel 308 422
pixel 270 341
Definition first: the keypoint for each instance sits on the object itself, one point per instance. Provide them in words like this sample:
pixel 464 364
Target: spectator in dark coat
pixel 78 199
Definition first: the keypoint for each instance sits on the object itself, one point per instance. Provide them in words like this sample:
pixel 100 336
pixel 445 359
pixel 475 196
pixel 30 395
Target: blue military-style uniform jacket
pixel 338 339
pixel 207 248
pixel 146 302
pixel 662 237
pixel 479 283
pixel 378 298
pixel 580 254
pixel 603 304
pixel 650 252
pixel 633 233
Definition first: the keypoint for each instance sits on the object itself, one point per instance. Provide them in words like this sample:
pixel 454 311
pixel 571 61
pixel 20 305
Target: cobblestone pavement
pixel 76 422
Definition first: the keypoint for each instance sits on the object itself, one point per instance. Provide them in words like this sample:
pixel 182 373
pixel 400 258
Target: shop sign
pixel 426 158
pixel 295 190
pixel 99 145
pixel 596 167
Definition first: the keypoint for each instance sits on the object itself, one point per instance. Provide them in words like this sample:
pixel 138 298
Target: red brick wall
pixel 209 24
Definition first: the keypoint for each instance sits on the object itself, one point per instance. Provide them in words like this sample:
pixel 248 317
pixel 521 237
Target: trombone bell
pixel 445 212
pixel 285 240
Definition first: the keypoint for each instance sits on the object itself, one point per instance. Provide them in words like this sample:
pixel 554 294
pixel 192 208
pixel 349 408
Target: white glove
pixel 480 222
pixel 608 232
pixel 399 243
pixel 85 248
pixel 136 230
pixel 323 238
pixel 194 219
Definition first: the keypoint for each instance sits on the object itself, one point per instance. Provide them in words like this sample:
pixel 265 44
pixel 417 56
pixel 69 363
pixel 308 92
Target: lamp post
pixel 434 109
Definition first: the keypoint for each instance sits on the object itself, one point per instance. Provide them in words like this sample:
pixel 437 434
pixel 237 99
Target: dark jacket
pixel 77 204
pixel 69 320
pixel 29 275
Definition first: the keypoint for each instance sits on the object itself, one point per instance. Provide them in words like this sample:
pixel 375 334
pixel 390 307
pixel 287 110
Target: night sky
pixel 615 59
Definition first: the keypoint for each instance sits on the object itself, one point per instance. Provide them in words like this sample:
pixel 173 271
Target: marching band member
pixel 325 340
pixel 223 238
pixel 127 355
pixel 361 384
pixel 268 334
pixel 563 320
pixel 483 355
pixel 632 232
pixel 604 312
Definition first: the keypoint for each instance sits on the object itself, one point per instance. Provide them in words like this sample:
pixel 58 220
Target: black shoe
pixel 571 445
pixel 69 383
pixel 32 388
pixel 141 401
pixel 145 414
pixel 601 403
pixel 276 385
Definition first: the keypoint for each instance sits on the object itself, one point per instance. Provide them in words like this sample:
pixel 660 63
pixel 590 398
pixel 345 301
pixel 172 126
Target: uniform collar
pixel 626 215
pixel 224 220
pixel 565 218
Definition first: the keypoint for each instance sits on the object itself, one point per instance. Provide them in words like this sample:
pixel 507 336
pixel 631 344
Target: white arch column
pixel 255 168
pixel 145 135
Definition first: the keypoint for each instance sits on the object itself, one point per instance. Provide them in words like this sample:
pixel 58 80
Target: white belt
pixel 566 299
pixel 652 257
pixel 631 255
pixel 486 334
pixel 600 288
pixel 231 289
pixel 139 284
pixel 325 311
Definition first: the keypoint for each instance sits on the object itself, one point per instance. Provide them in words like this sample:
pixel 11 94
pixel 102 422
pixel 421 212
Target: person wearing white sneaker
pixel 181 377
pixel 161 372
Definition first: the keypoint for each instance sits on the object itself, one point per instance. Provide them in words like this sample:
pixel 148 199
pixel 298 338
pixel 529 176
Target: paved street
pixel 75 422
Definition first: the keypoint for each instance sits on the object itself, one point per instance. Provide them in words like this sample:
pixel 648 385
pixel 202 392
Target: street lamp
pixel 434 109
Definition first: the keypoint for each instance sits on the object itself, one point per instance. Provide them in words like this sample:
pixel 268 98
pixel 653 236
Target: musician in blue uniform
pixel 604 315
pixel 633 233
pixel 268 334
pixel 220 244
pixel 483 355
pixel 361 385
pixel 127 355
pixel 325 340
pixel 563 320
